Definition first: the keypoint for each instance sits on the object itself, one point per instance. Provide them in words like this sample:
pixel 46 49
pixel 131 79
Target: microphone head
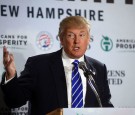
pixel 82 65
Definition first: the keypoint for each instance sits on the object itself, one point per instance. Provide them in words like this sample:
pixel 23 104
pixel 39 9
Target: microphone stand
pixel 93 86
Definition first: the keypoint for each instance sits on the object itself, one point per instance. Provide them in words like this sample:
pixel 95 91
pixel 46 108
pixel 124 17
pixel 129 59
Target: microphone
pixel 88 74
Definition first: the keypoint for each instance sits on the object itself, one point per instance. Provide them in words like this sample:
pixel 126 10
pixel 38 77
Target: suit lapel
pixel 59 78
pixel 89 64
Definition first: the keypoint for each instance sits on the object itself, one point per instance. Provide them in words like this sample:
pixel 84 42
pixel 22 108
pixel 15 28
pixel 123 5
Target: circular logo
pixel 44 40
pixel 106 43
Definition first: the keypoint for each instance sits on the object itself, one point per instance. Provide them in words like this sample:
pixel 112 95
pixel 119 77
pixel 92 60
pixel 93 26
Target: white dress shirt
pixel 67 62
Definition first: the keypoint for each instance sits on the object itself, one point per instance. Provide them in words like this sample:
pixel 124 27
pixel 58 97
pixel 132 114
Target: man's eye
pixel 70 35
pixel 82 35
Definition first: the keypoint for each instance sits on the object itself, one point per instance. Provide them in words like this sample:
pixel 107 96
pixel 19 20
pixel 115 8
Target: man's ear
pixel 61 40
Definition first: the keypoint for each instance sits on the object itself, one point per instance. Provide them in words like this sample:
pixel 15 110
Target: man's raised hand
pixel 9 64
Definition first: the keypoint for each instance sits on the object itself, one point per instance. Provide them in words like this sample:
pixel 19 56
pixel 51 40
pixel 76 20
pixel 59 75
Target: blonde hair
pixel 73 22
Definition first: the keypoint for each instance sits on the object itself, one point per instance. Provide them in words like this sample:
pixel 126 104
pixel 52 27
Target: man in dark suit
pixel 46 80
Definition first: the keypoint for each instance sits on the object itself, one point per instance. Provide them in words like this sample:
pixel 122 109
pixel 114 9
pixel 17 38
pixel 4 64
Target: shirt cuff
pixel 6 81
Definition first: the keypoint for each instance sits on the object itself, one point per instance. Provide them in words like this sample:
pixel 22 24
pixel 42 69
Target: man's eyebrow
pixel 82 31
pixel 70 32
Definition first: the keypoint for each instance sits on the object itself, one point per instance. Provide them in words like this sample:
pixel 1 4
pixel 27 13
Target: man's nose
pixel 77 39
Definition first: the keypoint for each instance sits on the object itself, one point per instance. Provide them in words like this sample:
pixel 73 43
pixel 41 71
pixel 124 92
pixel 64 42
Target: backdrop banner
pixel 30 28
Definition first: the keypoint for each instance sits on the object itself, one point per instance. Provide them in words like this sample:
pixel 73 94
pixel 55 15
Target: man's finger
pixel 6 57
pixel 10 61
pixel 4 51
pixel 11 57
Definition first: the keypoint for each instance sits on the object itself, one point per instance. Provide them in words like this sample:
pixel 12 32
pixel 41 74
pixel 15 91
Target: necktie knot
pixel 75 63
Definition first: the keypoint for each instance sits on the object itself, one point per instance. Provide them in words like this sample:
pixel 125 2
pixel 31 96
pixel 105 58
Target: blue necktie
pixel 77 88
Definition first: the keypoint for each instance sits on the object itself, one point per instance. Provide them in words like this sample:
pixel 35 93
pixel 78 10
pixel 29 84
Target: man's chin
pixel 76 56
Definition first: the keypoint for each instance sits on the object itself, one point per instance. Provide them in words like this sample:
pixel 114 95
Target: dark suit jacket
pixel 43 83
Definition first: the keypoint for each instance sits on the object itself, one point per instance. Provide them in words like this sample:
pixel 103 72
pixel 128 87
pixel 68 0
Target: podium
pixel 93 111
pixel 58 111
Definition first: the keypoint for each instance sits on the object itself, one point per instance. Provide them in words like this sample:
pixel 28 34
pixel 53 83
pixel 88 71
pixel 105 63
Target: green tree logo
pixel 106 43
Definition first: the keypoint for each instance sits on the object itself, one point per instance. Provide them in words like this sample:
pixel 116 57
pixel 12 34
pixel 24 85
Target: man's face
pixel 75 42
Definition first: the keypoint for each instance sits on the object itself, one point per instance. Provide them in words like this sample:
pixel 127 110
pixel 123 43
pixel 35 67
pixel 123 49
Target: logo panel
pixel 106 43
pixel 44 40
